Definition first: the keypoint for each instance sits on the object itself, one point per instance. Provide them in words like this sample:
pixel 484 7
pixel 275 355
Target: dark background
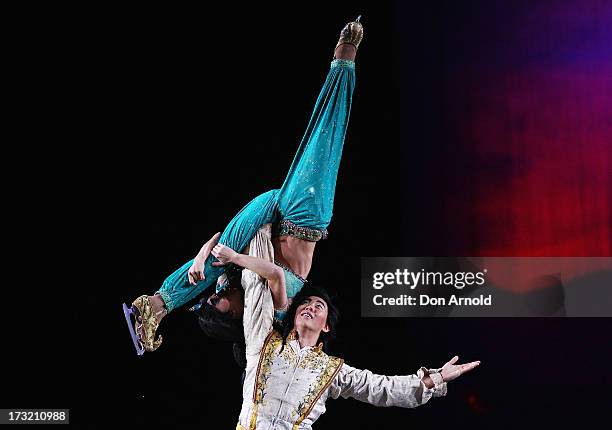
pixel 180 117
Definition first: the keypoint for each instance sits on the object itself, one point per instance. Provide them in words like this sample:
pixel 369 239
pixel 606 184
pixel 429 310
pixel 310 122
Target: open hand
pixel 224 254
pixel 196 271
pixel 452 371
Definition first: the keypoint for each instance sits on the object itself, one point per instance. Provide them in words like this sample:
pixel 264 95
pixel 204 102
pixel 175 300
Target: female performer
pixel 300 210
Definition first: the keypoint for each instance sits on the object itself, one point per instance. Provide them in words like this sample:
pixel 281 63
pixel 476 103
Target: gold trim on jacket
pixel 316 359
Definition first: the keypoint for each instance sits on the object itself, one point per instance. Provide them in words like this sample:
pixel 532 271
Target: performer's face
pixel 312 314
pixel 228 301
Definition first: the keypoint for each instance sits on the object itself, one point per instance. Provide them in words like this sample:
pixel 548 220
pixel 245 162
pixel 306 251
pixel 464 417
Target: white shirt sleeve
pixel 379 390
pixel 258 304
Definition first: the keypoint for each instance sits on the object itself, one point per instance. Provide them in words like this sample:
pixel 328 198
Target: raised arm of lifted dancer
pixel 196 271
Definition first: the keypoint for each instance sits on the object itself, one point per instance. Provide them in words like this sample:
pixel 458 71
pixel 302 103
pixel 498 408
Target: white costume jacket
pixel 286 388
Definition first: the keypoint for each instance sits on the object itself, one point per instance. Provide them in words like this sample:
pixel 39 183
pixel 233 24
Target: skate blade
pixel 127 312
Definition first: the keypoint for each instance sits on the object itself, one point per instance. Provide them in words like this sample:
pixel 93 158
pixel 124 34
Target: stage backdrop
pixel 507 128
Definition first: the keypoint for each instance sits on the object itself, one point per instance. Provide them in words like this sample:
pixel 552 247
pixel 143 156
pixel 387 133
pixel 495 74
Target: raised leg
pixel 307 195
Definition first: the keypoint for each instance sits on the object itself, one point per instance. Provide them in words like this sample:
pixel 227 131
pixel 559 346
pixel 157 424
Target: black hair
pixel 333 314
pixel 219 325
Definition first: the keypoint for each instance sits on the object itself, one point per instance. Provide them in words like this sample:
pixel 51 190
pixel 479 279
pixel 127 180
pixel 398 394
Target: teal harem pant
pixel 307 196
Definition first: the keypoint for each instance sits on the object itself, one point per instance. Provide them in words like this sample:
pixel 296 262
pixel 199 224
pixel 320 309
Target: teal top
pixel 293 285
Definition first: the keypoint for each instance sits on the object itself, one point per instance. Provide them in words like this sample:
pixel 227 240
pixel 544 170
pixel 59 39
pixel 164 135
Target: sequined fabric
pixel 294 278
pixel 306 198
pixel 312 369
pixel 293 285
pixel 343 63
pixel 287 228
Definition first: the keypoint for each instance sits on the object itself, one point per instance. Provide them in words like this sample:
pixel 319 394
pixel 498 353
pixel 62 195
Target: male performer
pixel 289 377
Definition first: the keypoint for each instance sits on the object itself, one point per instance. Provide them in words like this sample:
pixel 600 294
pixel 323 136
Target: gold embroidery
pixel 292 336
pixel 149 323
pixel 263 372
pixel 323 381
pixel 314 360
pixel 265 362
pixel 253 422
pixel 289 355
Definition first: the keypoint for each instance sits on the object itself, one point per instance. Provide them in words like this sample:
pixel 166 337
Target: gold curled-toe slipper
pixel 351 33
pixel 143 326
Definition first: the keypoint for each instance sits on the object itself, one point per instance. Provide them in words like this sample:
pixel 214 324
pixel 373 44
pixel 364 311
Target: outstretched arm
pixel 407 391
pixel 451 371
pixel 266 269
